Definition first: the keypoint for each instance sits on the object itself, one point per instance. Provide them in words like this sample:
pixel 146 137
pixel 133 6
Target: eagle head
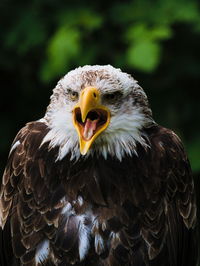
pixel 97 110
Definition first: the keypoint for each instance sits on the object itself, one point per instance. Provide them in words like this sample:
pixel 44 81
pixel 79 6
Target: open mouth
pixel 94 122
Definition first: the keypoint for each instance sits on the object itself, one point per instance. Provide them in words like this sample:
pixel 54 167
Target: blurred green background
pixel 158 42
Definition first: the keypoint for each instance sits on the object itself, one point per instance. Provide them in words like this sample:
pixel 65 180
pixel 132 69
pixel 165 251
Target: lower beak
pixel 90 118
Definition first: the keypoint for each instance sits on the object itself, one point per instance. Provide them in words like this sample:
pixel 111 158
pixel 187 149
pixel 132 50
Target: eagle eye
pixel 112 97
pixel 73 95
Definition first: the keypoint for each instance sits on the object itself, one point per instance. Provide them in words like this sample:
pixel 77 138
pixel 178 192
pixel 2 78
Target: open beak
pixel 90 118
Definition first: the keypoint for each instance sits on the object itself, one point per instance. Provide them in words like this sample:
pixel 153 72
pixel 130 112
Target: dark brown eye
pixel 112 97
pixel 72 94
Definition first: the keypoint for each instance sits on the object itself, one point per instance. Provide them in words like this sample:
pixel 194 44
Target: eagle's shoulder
pixel 30 135
pixel 162 138
pixel 24 147
pixel 166 148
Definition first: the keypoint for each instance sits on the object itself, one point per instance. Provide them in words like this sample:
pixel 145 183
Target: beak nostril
pixel 94 94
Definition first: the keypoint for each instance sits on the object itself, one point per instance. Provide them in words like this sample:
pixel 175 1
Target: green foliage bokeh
pixel 156 41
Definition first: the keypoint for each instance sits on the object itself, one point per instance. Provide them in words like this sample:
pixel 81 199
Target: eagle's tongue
pixel 89 128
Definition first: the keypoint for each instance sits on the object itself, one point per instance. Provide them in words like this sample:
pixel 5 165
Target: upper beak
pixel 90 118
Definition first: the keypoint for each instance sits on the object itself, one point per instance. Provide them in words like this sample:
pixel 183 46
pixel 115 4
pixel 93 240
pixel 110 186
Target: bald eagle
pixel 97 182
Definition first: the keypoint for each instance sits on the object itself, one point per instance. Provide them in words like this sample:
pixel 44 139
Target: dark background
pixel 158 42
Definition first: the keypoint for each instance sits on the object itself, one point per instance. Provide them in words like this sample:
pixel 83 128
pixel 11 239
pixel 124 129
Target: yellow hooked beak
pixel 90 118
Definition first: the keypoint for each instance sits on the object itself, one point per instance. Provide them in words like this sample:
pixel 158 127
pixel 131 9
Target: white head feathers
pixel 129 115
